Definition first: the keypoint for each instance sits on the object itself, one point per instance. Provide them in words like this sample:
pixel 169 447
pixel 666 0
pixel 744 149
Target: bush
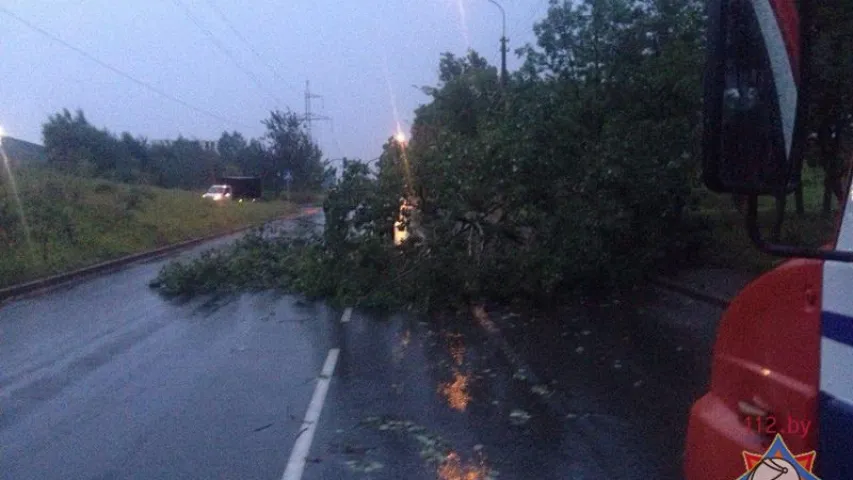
pixel 72 226
pixel 135 196
pixel 303 197
pixel 104 188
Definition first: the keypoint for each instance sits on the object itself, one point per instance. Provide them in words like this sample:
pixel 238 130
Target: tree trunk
pixel 739 202
pixel 827 156
pixel 838 190
pixel 781 201
pixel 832 187
pixel 827 195
pixel 798 198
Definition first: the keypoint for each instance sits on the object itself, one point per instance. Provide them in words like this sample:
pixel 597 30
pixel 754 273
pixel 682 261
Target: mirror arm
pixel 787 250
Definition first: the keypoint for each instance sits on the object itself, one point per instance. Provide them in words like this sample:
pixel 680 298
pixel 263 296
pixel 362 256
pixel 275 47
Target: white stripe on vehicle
pixel 836 282
pixel 845 242
pixel 836 365
pixel 780 63
pixel 836 358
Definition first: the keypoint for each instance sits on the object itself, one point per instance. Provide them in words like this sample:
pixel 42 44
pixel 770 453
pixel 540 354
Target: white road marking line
pixel 346 316
pixel 299 454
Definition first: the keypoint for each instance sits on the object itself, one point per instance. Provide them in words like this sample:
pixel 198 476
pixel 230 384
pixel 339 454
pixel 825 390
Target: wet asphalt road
pixel 107 380
pixel 625 372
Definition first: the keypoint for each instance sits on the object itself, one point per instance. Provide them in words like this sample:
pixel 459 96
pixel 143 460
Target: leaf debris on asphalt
pixel 364 466
pixel 433 448
pixel 519 417
pixel 541 390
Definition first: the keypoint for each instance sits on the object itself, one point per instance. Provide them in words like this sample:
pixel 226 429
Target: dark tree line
pixel 74 145
pixel 830 110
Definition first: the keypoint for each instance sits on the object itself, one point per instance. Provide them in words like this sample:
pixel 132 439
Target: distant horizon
pixel 336 163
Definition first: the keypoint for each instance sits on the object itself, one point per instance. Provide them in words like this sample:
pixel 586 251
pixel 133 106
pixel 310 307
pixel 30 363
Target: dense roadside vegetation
pixel 726 243
pixel 73 222
pixel 73 145
pixel 580 173
pixel 90 195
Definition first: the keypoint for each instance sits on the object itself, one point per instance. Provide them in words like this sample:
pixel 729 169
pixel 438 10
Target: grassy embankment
pixel 729 245
pixel 74 222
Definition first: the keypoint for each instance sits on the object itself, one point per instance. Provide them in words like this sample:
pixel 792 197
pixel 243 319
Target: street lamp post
pixel 503 42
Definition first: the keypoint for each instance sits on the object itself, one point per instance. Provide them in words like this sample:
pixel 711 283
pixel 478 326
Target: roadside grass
pixel 305 197
pixel 76 222
pixel 728 243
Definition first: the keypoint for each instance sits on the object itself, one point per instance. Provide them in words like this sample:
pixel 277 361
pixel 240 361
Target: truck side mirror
pixel 752 97
pixel 756 84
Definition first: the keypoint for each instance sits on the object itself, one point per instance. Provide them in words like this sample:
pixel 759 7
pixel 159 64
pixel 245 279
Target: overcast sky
pixel 362 56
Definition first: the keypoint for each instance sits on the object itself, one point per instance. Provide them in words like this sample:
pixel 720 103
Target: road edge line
pixel 299 453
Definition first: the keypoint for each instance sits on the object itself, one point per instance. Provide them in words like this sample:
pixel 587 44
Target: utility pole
pixel 310 117
pixel 503 42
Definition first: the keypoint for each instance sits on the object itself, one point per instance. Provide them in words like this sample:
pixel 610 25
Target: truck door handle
pixel 751 409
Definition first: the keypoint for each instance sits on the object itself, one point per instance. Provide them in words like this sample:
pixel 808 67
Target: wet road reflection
pixel 456 392
pixel 456 346
pixel 421 398
pixel 454 468
pixel 401 346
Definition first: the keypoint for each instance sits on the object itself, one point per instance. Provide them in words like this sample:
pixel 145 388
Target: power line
pixel 538 11
pixel 117 71
pixel 243 39
pixel 535 12
pixel 225 51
